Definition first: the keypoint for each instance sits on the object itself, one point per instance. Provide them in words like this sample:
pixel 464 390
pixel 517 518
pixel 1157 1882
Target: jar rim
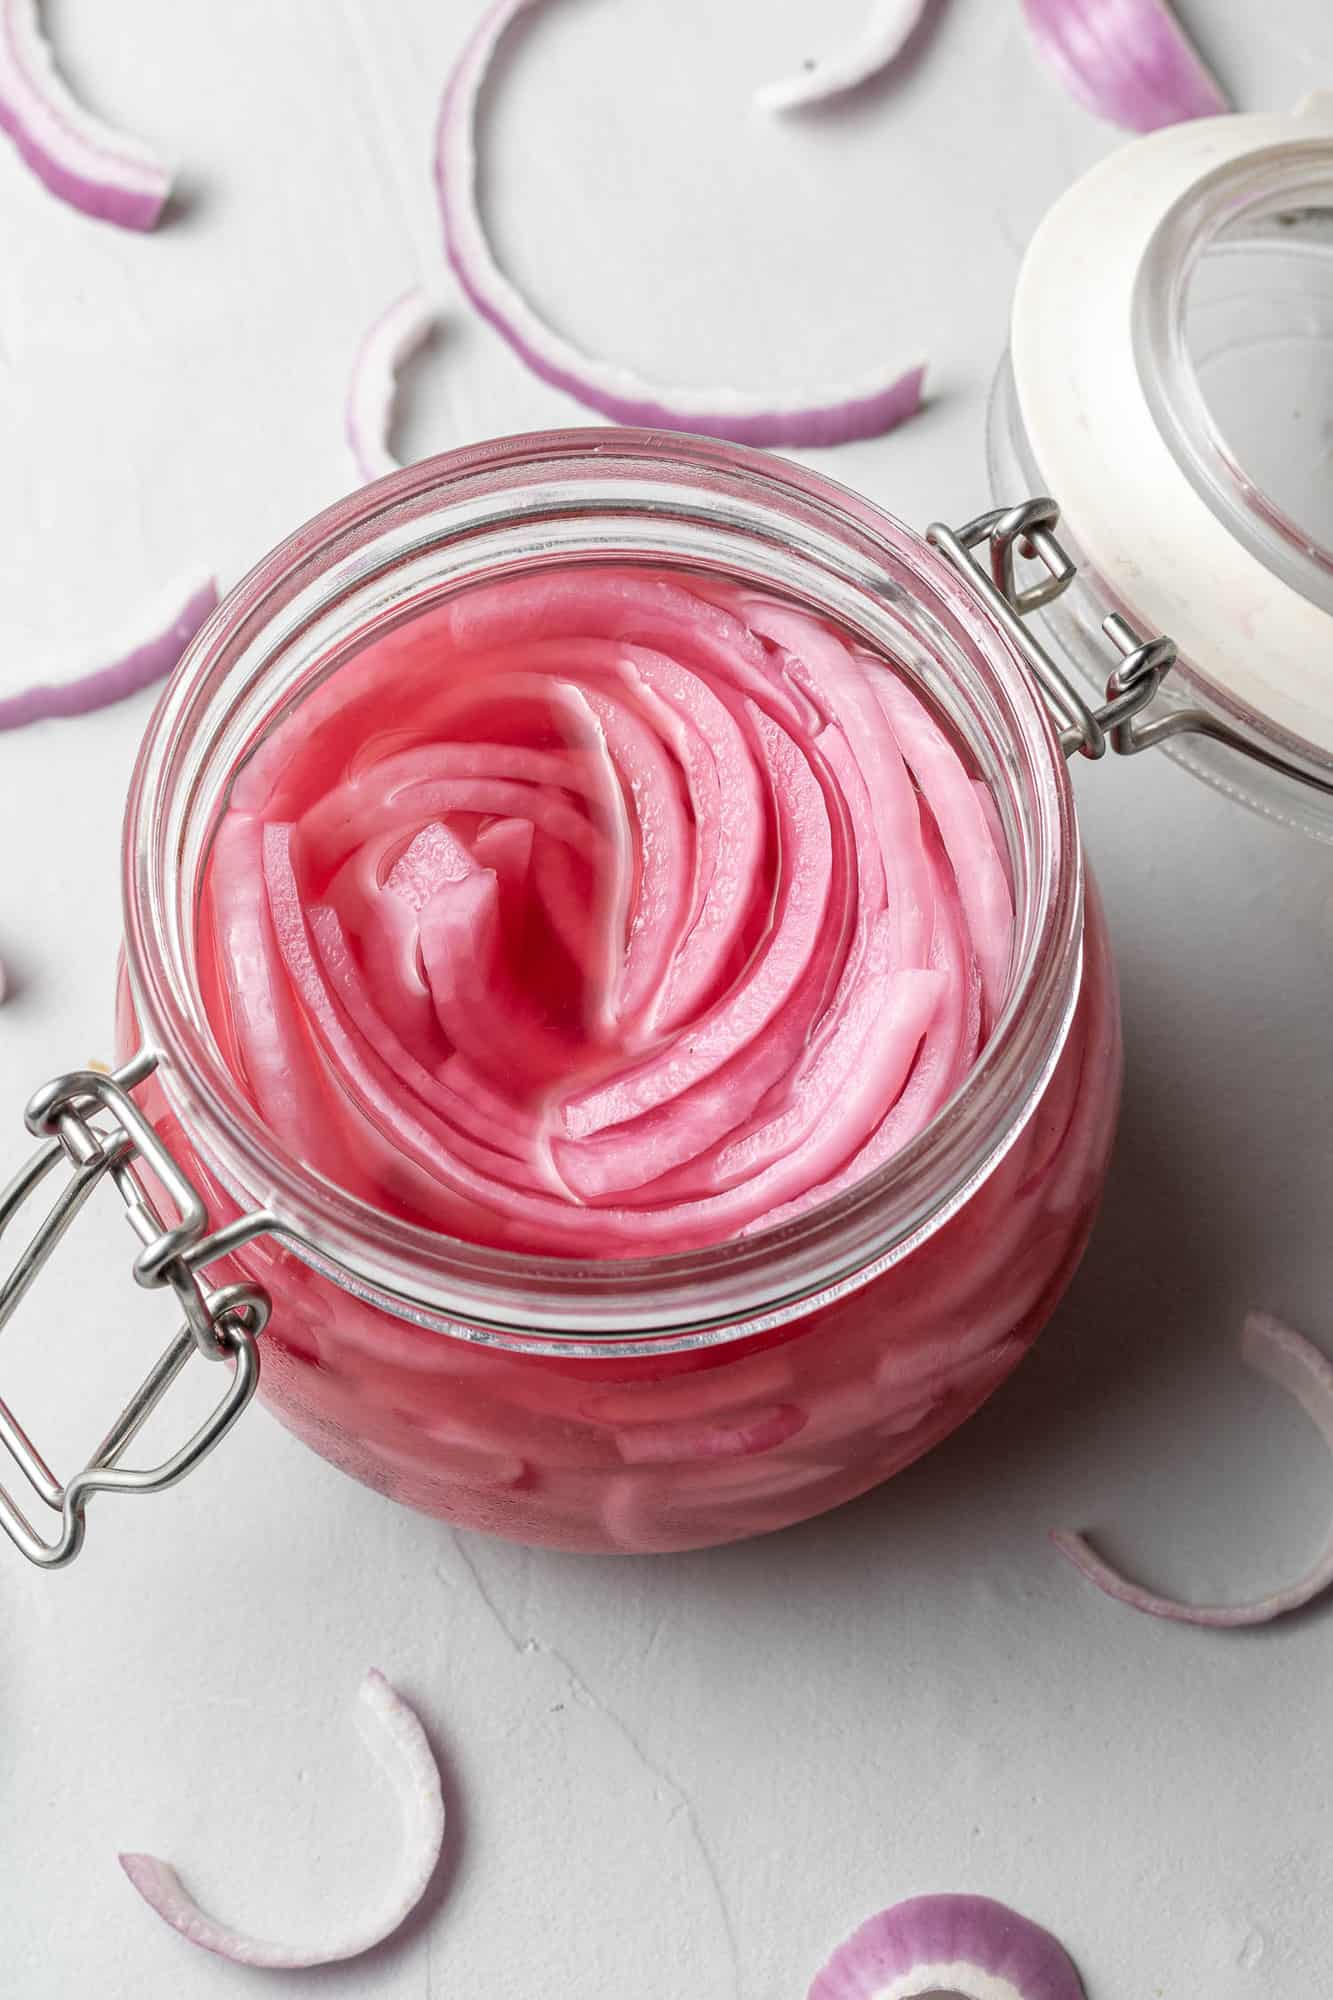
pixel 654 485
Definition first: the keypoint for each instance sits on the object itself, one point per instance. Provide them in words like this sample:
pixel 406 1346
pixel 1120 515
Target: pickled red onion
pixel 393 338
pixel 592 914
pixel 170 623
pixel 1299 1367
pixel 964 1945
pixel 862 410
pixel 81 160
pixel 884 36
pixel 1127 60
pixel 397 1738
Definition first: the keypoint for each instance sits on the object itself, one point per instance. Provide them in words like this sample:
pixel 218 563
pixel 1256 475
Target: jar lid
pixel 1172 371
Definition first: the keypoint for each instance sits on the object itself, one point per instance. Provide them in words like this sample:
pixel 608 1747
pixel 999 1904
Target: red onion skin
pixel 1126 60
pixel 94 187
pixel 150 661
pixel 982 1947
pixel 864 413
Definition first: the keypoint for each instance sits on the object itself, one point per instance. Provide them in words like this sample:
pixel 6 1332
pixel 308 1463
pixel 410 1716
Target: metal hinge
pixel 1120 724
pixel 91 1125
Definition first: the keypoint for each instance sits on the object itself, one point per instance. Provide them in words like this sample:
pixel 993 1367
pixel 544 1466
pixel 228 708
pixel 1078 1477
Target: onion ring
pixel 81 160
pixel 885 34
pixel 1127 60
pixel 1299 1367
pixel 861 411
pixel 169 624
pixel 966 1945
pixel 395 336
pixel 396 1736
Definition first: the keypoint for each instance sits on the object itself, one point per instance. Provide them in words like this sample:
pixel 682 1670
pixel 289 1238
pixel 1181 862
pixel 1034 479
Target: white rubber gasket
pixel 1130 508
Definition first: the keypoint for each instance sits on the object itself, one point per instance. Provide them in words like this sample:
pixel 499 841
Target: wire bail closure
pixel 1120 724
pixel 92 1125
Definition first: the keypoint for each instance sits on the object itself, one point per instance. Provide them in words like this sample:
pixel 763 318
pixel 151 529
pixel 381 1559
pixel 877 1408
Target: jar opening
pixel 378 559
pixel 1234 335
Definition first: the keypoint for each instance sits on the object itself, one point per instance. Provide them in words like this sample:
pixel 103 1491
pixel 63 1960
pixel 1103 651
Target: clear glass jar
pixel 659 1403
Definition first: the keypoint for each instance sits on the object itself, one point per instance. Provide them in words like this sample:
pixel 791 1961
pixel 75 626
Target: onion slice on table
pixel 966 1945
pixel 1127 60
pixel 83 161
pixel 864 410
pixel 887 29
pixel 395 1735
pixel 167 627
pixel 395 336
pixel 1299 1367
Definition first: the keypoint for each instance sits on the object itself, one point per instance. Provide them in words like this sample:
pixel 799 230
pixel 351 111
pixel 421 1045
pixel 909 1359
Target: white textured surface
pixel 682 1778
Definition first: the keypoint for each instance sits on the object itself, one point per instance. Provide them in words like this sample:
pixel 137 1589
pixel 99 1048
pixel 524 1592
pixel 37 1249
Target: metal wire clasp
pixel 1029 530
pixel 1119 724
pixel 91 1124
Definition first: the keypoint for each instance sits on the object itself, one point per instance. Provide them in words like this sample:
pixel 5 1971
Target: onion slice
pixel 79 159
pixel 167 627
pixel 1298 1366
pixel 395 336
pixel 966 1945
pixel 884 36
pixel 864 410
pixel 1127 60
pixel 394 1733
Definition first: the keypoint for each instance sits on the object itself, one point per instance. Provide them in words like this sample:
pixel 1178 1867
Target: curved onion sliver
pixel 965 1945
pixel 168 626
pixel 887 29
pixel 81 160
pixel 1127 60
pixel 1299 1367
pixel 395 336
pixel 862 410
pixel 395 1735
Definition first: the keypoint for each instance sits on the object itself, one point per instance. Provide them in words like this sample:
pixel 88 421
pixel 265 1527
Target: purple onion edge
pixel 949 1929
pixel 143 665
pixel 846 421
pixel 105 200
pixel 1118 91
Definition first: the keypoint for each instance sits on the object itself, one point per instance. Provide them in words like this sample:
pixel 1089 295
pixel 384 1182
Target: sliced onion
pixel 78 158
pixel 1306 1373
pixel 594 900
pixel 1127 60
pixel 392 1731
pixel 964 1945
pixel 393 339
pixel 864 410
pixel 885 33
pixel 168 624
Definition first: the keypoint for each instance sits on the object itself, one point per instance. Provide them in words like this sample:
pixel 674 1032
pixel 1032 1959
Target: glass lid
pixel 1170 383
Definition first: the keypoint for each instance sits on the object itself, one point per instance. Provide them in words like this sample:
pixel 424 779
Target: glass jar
pixel 659 1403
pixel 672 1402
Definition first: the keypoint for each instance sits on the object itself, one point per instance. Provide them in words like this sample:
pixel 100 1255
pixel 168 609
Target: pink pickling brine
pixel 693 1040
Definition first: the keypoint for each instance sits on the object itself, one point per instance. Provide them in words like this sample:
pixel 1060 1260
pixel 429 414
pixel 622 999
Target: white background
pixel 683 1777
